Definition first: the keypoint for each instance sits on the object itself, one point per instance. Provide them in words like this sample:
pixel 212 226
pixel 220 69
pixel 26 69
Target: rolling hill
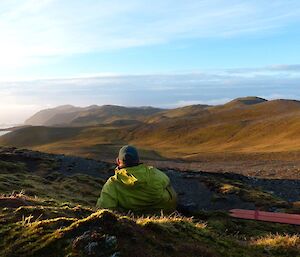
pixel 44 117
pixel 244 129
pixel 69 115
pixel 265 126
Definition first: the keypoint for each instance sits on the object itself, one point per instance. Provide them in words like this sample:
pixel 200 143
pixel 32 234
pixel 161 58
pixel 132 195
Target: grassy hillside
pixel 268 126
pixel 243 125
pixel 89 116
pixel 42 117
pixel 49 211
pixel 80 231
pixel 244 129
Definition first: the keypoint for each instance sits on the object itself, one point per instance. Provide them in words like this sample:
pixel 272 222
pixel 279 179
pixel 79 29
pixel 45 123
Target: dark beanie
pixel 129 155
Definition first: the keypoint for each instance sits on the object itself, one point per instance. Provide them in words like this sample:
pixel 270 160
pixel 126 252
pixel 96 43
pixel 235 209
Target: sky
pixel 161 53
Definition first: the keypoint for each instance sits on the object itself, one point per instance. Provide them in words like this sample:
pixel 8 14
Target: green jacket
pixel 140 189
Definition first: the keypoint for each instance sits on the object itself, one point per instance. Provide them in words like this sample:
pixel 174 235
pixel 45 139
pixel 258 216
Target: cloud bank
pixel 20 99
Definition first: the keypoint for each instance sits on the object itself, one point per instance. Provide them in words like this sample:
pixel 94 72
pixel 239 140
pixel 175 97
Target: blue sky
pixel 162 53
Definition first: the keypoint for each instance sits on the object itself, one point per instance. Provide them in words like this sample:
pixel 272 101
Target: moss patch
pixel 261 199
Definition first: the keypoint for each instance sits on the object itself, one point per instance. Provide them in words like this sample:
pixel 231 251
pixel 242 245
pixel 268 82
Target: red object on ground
pixel 266 216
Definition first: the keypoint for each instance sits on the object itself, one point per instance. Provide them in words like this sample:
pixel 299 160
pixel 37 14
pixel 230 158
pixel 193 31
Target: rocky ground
pixel 269 166
pixel 197 190
pixel 47 208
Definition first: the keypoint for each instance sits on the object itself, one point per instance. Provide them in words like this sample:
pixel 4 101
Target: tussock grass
pixel 278 241
pixel 50 214
pixel 279 244
pixel 41 230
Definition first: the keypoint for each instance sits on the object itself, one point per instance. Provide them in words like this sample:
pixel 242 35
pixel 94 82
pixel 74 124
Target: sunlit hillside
pixel 68 115
pixel 246 128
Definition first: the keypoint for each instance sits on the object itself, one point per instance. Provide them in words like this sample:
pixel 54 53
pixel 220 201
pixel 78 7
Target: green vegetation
pixel 58 218
pixel 11 166
pixel 78 188
pixel 45 213
pixel 52 230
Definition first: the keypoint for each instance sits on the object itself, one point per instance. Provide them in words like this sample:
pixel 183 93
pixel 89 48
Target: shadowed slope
pixel 32 136
pixel 250 100
pixel 43 116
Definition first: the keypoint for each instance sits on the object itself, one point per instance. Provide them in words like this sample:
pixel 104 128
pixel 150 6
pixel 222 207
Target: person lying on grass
pixel 137 187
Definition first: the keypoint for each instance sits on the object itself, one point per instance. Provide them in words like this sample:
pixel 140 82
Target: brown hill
pixel 88 116
pixel 44 116
pixel 246 126
pixel 265 126
pixel 110 113
pixel 250 100
pixel 186 111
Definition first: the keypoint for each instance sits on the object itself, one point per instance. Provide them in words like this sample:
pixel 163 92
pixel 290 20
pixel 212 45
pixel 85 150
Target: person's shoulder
pixel 150 167
pixel 155 170
pixel 110 184
pixel 111 180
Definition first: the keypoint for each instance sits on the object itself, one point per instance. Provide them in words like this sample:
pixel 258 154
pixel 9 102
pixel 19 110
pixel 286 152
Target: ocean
pixel 4 126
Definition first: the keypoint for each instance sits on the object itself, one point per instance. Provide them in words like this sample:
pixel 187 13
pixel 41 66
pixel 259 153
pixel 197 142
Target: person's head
pixel 128 156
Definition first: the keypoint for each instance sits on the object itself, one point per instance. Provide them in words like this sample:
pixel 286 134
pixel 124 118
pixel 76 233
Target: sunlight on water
pixel 3 133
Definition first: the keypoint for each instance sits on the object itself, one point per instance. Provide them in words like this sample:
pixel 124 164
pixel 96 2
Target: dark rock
pixel 95 244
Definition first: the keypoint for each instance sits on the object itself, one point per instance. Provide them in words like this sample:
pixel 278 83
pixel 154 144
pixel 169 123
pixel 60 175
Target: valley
pixel 247 135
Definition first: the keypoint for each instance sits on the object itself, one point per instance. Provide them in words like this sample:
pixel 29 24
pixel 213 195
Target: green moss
pixel 50 214
pixel 74 189
pixel 223 187
pixel 12 166
pixel 54 229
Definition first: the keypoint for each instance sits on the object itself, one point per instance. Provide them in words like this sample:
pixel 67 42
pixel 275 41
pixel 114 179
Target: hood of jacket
pixel 141 175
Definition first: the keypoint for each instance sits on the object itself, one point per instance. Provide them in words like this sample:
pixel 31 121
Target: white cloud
pixel 203 102
pixel 32 31
pixel 20 99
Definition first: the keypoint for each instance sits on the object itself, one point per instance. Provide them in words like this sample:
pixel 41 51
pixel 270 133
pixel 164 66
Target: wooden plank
pixel 267 214
pixel 285 218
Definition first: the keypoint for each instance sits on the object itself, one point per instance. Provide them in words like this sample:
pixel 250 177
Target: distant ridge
pixel 250 100
pixel 244 125
pixel 68 115
pixel 44 116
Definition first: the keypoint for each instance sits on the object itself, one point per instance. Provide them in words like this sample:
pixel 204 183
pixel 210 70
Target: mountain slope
pixel 43 116
pixel 249 127
pixel 250 100
pixel 265 126
pixel 181 112
pixel 89 116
